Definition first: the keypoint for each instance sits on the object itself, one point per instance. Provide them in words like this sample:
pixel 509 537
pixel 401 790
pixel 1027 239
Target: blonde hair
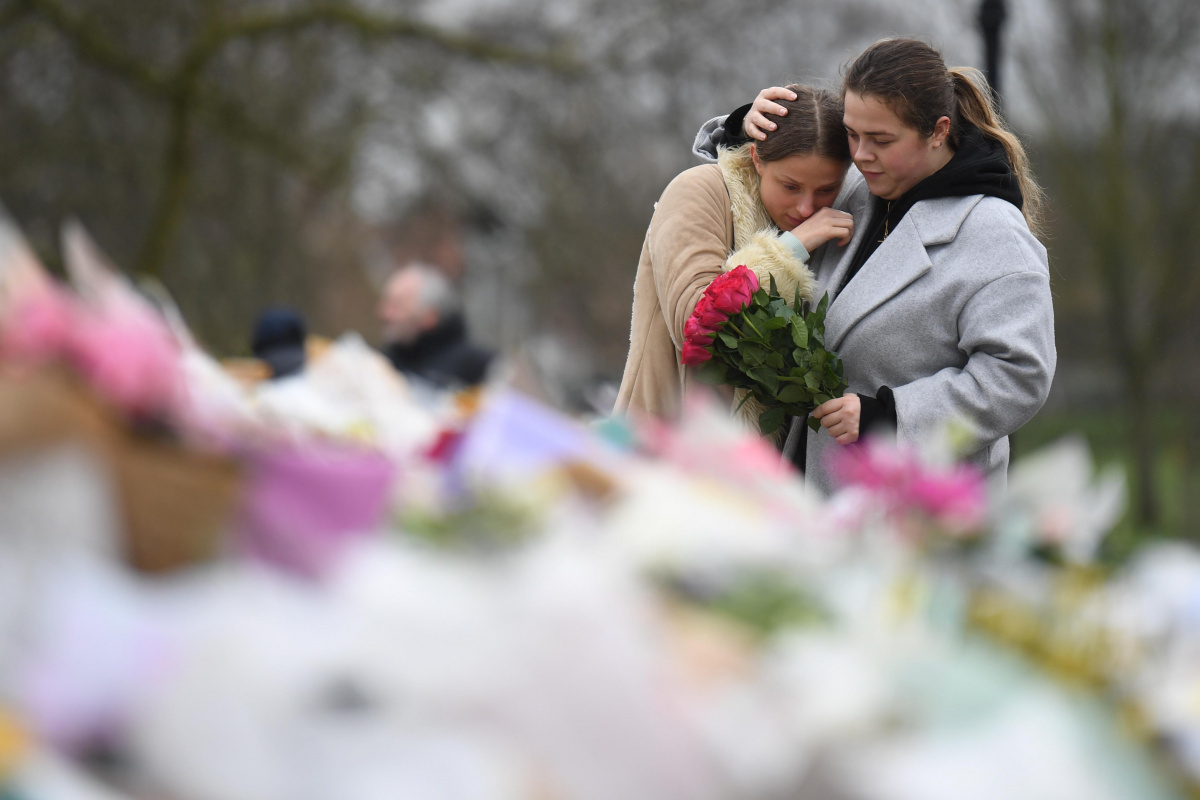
pixel 976 104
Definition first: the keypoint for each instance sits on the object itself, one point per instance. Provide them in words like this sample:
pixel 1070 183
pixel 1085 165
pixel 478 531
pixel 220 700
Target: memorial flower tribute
pixel 420 596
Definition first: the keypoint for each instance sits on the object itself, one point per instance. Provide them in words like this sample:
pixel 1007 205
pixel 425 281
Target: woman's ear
pixel 754 158
pixel 941 129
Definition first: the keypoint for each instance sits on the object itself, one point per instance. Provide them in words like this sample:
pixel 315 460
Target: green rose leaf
pixel 767 379
pixel 774 360
pixel 814 423
pixel 729 339
pixel 753 354
pixel 713 372
pixel 770 420
pixel 799 333
pixel 793 393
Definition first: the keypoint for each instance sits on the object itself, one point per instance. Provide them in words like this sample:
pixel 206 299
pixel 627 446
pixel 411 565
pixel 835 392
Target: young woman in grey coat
pixel 941 307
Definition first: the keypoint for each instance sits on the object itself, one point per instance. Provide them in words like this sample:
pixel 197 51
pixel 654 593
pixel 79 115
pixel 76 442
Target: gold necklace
pixel 886 221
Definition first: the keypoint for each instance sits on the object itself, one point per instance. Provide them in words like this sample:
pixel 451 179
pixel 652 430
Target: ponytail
pixel 975 105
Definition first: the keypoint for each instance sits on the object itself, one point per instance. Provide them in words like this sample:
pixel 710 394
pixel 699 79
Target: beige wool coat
pixel 709 220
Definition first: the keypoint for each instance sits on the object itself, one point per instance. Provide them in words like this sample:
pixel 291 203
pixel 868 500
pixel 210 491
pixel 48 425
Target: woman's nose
pixel 806 207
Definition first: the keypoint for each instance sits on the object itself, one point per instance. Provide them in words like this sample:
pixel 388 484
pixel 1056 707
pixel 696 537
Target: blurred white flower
pixel 1055 498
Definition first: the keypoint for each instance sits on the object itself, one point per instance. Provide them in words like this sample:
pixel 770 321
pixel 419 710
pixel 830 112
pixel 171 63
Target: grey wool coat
pixel 953 311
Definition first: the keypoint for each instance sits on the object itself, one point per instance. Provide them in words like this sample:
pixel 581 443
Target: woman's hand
pixel 821 227
pixel 756 125
pixel 840 416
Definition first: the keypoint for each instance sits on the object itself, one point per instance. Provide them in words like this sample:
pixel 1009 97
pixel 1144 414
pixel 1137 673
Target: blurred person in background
pixel 279 341
pixel 424 333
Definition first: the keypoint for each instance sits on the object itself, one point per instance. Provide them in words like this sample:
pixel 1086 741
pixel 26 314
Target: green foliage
pixel 771 419
pixel 762 601
pixel 793 394
pixel 491 522
pixel 713 372
pixel 751 352
pixel 799 330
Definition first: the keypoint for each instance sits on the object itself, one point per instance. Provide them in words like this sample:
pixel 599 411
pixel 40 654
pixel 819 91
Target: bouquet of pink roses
pixel 750 338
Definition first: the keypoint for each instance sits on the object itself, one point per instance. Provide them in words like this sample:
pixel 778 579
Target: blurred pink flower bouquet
pixel 917 495
pixel 124 353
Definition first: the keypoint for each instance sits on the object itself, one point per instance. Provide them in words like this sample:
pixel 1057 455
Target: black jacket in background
pixel 442 356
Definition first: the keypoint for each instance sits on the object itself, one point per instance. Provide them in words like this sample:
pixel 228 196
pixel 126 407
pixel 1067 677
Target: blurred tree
pixel 1120 151
pixel 241 120
pixel 250 152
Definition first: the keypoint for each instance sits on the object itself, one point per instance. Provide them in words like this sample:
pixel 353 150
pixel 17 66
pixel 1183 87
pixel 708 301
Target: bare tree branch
pixel 93 48
pixel 229 119
pixel 179 87
pixel 13 12
pixel 176 180
pixel 371 26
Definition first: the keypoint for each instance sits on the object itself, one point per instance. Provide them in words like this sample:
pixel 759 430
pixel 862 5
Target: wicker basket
pixel 175 501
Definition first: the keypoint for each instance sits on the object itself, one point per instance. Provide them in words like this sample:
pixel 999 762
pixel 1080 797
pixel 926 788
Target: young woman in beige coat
pixel 764 204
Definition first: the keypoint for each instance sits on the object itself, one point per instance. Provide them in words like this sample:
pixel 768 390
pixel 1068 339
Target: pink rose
pixel 732 292
pixel 694 354
pixel 695 331
pixel 957 496
pixel 132 361
pixel 707 316
pixel 40 326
